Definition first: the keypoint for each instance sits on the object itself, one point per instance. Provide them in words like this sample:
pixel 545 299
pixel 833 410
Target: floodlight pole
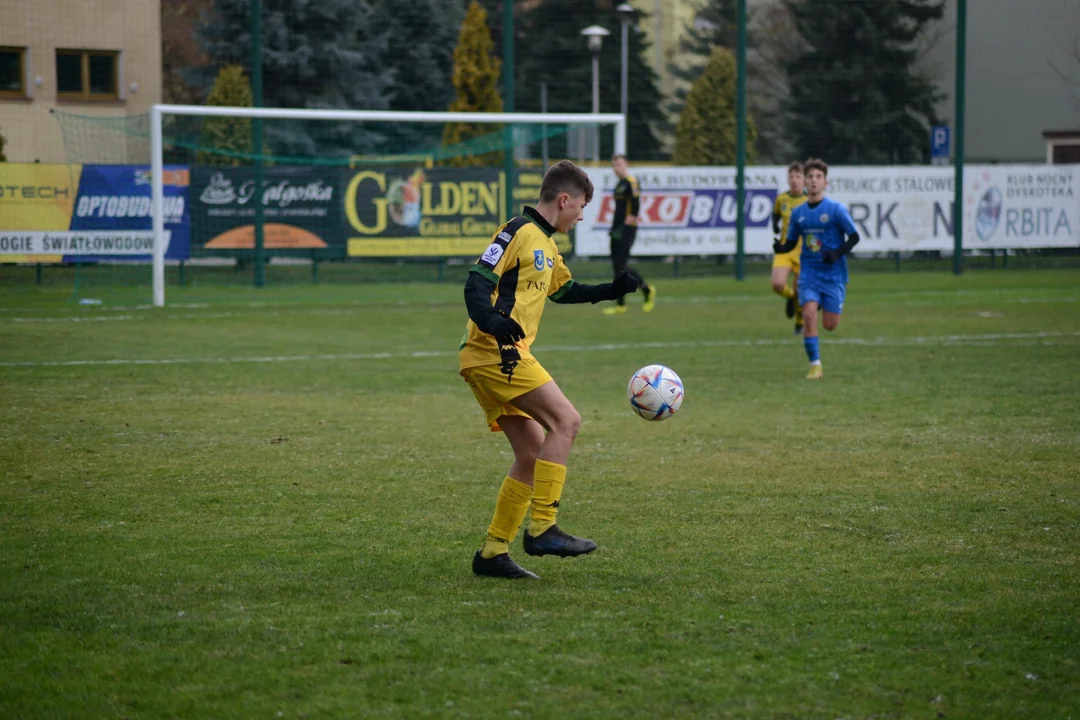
pixel 508 106
pixel 626 13
pixel 544 156
pixel 958 160
pixel 740 143
pixel 596 106
pixel 257 139
pixel 594 36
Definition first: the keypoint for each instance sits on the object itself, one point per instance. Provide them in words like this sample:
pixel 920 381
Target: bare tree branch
pixel 1069 76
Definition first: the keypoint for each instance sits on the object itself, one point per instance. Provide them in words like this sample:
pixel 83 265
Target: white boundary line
pixel 982 339
pixel 261 310
pixel 999 295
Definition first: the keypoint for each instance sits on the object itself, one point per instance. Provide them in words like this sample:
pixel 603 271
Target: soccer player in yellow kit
pixel 505 296
pixel 785 264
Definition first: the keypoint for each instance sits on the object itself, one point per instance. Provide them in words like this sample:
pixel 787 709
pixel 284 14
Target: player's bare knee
pixel 568 424
pixel 830 324
pixel 778 287
pixel 574 422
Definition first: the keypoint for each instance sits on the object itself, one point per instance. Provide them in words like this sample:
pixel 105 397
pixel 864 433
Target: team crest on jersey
pixel 824 217
pixel 538 259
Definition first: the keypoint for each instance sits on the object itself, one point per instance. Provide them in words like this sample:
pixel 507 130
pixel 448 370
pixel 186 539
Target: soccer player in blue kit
pixel 828 235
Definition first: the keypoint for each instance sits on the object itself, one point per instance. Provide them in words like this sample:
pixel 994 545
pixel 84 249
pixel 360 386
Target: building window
pixel 1066 154
pixel 12 72
pixel 83 75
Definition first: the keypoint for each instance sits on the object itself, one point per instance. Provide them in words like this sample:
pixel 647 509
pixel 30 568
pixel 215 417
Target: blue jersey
pixel 822 226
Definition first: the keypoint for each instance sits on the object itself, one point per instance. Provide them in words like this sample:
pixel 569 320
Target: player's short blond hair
pixel 565 177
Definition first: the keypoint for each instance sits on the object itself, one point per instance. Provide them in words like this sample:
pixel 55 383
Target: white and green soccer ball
pixel 655 392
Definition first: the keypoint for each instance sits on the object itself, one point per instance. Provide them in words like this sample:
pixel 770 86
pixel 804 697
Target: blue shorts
pixel 828 295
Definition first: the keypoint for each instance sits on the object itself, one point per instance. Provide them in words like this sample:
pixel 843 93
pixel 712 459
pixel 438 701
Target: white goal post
pixel 157 112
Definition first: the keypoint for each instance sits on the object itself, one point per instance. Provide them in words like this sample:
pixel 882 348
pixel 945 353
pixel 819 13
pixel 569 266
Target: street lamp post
pixel 595 35
pixel 626 14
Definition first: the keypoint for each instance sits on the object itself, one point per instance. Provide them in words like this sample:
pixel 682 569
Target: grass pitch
pixel 266 507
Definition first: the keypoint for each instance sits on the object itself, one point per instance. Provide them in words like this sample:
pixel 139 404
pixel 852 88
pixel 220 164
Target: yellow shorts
pixel 494 393
pixel 787 260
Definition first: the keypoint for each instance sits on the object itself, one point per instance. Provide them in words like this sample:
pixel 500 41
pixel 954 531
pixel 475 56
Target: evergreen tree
pixel 706 132
pixel 476 81
pixel 494 10
pixel 421 35
pixel 326 54
pixel 227 140
pixel 713 26
pixel 775 44
pixel 769 42
pixel 856 96
pixel 550 49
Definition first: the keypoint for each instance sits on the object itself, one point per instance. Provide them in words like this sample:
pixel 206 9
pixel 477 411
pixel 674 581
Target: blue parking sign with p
pixel 939 144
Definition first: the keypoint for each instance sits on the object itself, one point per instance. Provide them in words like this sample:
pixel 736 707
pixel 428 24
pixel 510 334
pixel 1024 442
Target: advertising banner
pixel 37 197
pixel 112 212
pixel 685 211
pixel 691 210
pixel 428 212
pixel 301 208
pixel 1022 206
pixel 66 213
pixel 897 208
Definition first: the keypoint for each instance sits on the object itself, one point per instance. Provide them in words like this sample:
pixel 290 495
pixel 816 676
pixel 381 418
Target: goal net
pixel 168 206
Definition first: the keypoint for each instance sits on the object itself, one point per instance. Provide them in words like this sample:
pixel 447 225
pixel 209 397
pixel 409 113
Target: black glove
pixel 624 284
pixel 508 361
pixel 830 256
pixel 777 246
pixel 506 330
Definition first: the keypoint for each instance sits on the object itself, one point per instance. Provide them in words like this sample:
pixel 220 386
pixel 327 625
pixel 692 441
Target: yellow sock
pixel 787 292
pixel 798 315
pixel 510 511
pixel 548 481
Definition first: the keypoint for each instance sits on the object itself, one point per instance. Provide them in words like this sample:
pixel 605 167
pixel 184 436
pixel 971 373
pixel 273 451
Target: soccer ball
pixel 655 392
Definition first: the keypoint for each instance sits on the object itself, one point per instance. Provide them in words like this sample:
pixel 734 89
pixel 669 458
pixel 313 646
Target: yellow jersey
pixel 526 267
pixel 785 203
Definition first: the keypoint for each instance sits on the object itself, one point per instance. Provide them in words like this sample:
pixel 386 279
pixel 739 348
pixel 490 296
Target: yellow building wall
pixel 131 27
pixel 664 28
